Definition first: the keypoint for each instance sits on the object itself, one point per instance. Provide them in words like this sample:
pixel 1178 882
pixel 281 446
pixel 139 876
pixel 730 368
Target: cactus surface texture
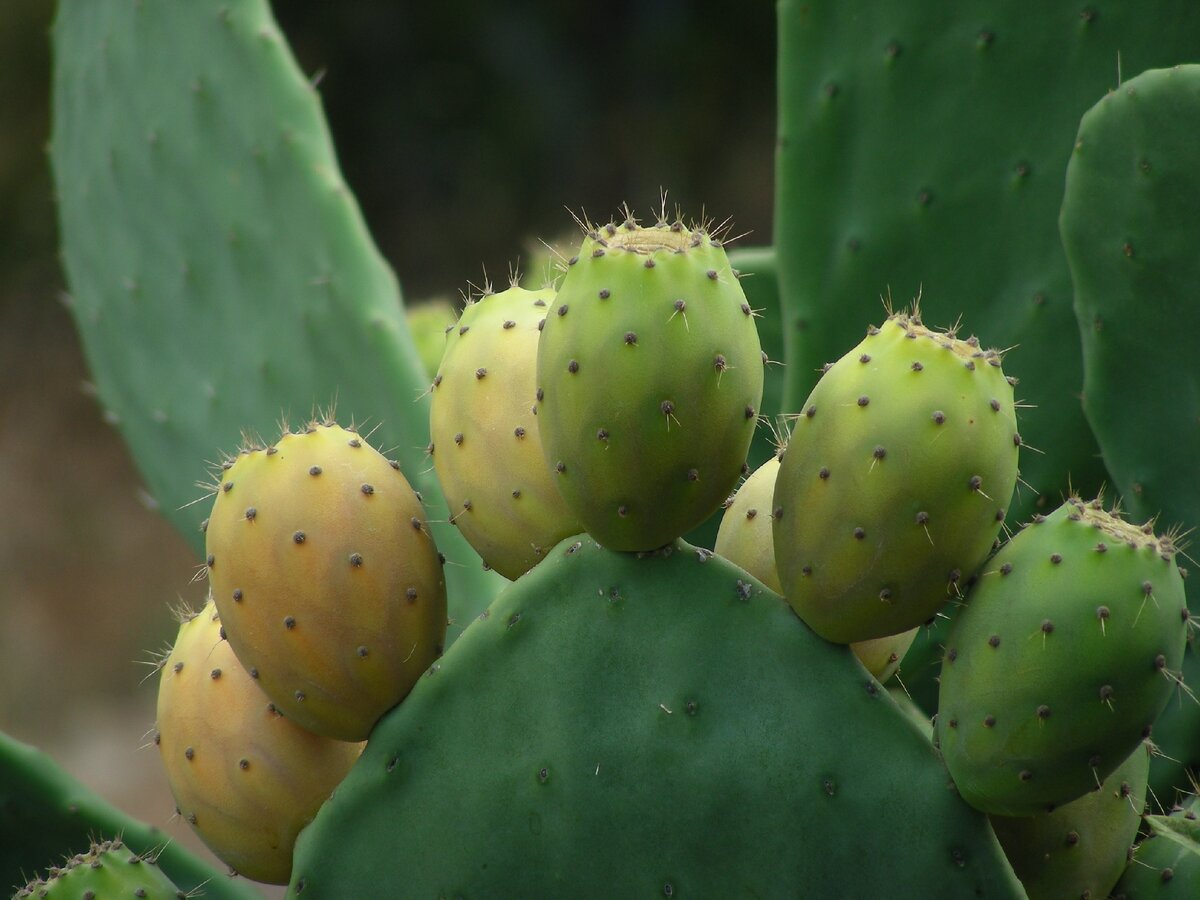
pixel 627 725
pixel 1130 229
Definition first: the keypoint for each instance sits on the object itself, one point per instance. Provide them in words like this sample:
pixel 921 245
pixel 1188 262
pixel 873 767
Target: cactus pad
pixel 569 744
pixel 1130 230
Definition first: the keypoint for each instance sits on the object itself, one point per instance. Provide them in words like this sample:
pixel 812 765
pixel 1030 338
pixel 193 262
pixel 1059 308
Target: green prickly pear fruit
pixel 108 869
pixel 744 538
pixel 894 484
pixel 1166 864
pixel 246 778
pixel 650 376
pixel 326 578
pixel 1066 653
pixel 486 447
pixel 1081 848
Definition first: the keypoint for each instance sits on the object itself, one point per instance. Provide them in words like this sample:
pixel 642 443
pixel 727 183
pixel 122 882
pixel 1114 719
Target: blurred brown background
pixel 466 129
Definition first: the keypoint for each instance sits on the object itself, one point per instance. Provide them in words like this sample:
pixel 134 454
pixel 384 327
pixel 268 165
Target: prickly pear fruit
pixel 650 377
pixel 1166 864
pixel 744 538
pixel 428 322
pixel 486 446
pixel 1080 849
pixel 1068 649
pixel 108 869
pixel 246 778
pixel 895 481
pixel 326 578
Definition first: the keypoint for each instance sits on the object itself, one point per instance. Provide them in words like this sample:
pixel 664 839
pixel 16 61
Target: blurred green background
pixel 467 129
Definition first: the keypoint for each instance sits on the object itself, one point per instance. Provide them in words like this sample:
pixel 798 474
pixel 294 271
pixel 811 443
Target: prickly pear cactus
pixel 1068 650
pixel 233 281
pixel 745 539
pixel 650 379
pixel 1166 864
pixel 589 753
pixel 243 776
pixel 107 869
pixel 922 149
pixel 1130 229
pixel 1081 848
pixel 325 576
pixel 485 441
pixel 895 481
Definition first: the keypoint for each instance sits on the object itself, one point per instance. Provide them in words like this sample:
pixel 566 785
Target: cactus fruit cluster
pixel 561 689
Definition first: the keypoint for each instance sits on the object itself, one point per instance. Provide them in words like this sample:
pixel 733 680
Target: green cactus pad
pixel 1175 768
pixel 1131 231
pixel 220 272
pixel 1166 864
pixel 243 776
pixel 650 379
pixel 921 151
pixel 745 539
pixel 1081 848
pixel 642 725
pixel 325 577
pixel 45 814
pixel 107 869
pixel 1069 648
pixel 485 440
pixel 427 322
pixel 894 482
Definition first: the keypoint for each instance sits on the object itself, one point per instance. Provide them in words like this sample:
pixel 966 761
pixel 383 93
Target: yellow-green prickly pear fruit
pixel 245 777
pixel 650 377
pixel 107 869
pixel 895 481
pixel 745 539
pixel 326 578
pixel 485 442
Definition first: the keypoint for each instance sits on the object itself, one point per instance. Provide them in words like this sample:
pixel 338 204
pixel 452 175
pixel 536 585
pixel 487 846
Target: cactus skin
pixel 229 228
pixel 1167 862
pixel 603 761
pixel 1130 231
pixel 326 579
pixel 892 487
pixel 45 814
pixel 1067 652
pixel 485 441
pixel 745 539
pixel 1080 849
pixel 650 379
pixel 107 869
pixel 870 200
pixel 244 777
pixel 1176 769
